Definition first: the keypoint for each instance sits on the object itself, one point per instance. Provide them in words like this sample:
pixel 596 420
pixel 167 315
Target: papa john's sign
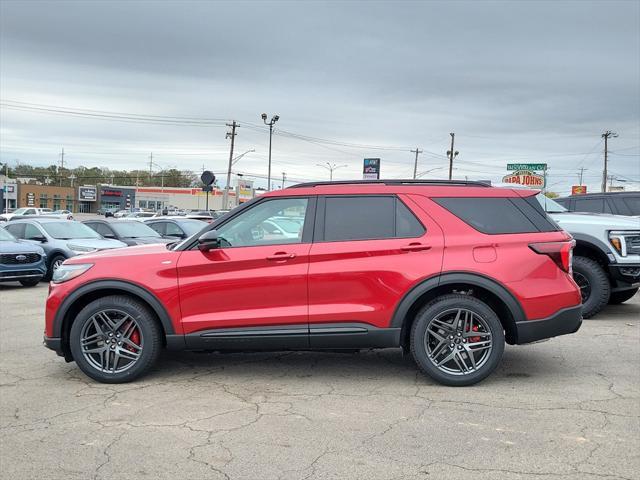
pixel 525 177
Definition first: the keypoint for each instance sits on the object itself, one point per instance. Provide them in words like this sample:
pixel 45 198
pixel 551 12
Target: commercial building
pixel 8 193
pixel 46 196
pixel 157 198
pixel 119 198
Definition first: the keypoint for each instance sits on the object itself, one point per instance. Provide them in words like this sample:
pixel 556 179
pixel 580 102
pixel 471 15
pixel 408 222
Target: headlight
pixel 64 273
pixel 80 248
pixel 623 240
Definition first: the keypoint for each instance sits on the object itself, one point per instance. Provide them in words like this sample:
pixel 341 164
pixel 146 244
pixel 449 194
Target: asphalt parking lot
pixel 567 408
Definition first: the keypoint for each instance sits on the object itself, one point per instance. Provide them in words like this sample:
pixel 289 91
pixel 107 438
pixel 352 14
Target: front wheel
pixel 30 282
pixel 457 340
pixel 621 297
pixel 54 264
pixel 115 339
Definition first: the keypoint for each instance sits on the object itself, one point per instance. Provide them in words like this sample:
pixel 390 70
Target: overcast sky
pixel 516 82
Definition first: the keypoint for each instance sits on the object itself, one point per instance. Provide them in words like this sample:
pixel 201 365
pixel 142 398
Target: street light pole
pixel 331 167
pixel 270 123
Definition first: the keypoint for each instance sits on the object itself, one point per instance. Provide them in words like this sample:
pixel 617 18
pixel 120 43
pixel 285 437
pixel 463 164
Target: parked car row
pixel 33 212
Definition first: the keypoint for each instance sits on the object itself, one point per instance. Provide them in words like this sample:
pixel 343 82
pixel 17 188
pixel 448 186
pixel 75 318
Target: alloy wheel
pixel 458 341
pixel 56 264
pixel 584 284
pixel 111 341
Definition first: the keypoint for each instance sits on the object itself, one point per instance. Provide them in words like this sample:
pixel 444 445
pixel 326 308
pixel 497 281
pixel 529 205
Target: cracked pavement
pixel 567 408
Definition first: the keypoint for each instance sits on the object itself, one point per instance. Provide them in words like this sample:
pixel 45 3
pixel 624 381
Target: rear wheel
pixel 30 282
pixel 621 297
pixel 115 339
pixel 457 340
pixel 594 285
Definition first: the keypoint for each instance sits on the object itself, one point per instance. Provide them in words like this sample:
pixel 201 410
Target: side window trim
pixel 319 229
pixel 307 228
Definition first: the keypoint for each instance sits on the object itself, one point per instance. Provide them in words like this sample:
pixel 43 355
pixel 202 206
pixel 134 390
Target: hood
pixel 97 243
pixel 610 222
pixel 135 251
pixel 19 247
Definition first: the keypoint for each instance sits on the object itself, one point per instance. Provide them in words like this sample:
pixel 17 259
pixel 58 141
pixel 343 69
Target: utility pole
pixel 284 177
pixel 232 134
pixel 606 135
pixel 582 169
pixel 270 123
pixel 451 154
pixel 331 167
pixel 150 167
pixel 61 167
pixel 417 151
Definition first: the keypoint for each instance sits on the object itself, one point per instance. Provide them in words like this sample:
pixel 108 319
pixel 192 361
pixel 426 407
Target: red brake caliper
pixel 135 338
pixel 474 339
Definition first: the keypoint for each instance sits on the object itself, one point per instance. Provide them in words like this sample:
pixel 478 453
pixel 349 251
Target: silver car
pixel 60 239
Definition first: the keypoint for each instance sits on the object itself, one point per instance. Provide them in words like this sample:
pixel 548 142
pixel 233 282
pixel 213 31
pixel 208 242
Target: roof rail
pixel 394 182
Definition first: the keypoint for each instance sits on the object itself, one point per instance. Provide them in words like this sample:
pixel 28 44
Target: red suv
pixel 449 271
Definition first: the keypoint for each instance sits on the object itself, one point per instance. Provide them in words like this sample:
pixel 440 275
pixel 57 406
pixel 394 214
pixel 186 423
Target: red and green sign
pixel 526 178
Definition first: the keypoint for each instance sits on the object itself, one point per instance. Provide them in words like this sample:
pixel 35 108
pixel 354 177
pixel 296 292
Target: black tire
pixel 620 297
pixel 436 309
pixel 50 266
pixel 149 331
pixel 594 285
pixel 30 282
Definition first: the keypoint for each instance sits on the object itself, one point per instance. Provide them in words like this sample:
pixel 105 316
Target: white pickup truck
pixel 606 259
pixel 31 211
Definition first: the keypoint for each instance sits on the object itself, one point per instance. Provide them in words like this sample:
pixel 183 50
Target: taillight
pixel 560 252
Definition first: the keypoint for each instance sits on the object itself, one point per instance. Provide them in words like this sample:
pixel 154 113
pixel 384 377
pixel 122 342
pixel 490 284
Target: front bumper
pixel 54 344
pixel 563 322
pixel 624 275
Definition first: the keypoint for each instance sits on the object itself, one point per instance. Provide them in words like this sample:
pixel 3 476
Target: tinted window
pixel 173 230
pixel 17 230
pixel 248 229
pixel 368 218
pixel 594 205
pixel 158 227
pixel 633 204
pixel 31 232
pixel 496 215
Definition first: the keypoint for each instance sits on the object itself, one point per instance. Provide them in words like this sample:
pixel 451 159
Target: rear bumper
pixel 567 320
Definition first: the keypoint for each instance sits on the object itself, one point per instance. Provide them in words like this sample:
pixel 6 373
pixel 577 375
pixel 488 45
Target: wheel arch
pixel 486 289
pixel 78 299
pixel 590 247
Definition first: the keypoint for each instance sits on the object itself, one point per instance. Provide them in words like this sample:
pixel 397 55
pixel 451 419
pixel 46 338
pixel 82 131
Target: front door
pixel 252 291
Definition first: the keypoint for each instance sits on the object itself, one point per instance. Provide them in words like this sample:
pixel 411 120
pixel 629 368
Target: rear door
pixel 368 251
pixel 252 291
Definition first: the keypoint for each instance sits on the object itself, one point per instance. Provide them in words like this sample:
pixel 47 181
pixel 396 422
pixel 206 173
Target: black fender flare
pixel 594 243
pixel 126 287
pixel 468 278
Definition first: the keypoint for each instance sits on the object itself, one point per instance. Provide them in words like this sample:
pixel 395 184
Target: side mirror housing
pixel 38 239
pixel 208 241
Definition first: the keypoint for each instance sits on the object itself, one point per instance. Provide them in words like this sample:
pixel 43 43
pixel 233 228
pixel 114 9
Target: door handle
pixel 280 256
pixel 415 247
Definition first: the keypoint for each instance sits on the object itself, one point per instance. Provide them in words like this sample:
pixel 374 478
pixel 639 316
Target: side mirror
pixel 208 241
pixel 38 239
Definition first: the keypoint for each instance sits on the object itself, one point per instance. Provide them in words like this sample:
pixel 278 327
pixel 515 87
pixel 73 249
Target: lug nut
pixel 113 347
pixel 452 345
pixel 459 347
pixel 459 333
pixel 464 340
pixel 119 343
pixel 450 337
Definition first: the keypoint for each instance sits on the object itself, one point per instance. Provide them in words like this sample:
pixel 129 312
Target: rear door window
pixel 593 205
pixel 17 230
pixel 368 217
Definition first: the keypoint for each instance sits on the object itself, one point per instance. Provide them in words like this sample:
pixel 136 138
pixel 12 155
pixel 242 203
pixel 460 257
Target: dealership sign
pixel 525 177
pixel 532 167
pixel 87 194
pixel 31 199
pixel 371 169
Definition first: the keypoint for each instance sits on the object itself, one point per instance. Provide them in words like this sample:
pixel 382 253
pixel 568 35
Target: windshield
pixel 6 236
pixel 133 230
pixel 549 205
pixel 68 230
